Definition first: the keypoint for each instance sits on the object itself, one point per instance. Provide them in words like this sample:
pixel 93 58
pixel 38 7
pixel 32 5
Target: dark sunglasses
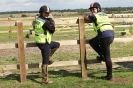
pixel 47 12
pixel 91 8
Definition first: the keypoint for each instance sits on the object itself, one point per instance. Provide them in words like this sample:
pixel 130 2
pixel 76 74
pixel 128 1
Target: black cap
pixel 44 9
pixel 95 5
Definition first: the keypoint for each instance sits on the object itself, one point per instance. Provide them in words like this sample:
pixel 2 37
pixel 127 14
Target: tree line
pixel 107 10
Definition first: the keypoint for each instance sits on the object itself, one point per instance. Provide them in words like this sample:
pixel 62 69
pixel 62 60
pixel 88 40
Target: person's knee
pixel 54 45
pixel 108 60
pixel 46 61
pixel 45 57
pixel 92 43
pixel 58 44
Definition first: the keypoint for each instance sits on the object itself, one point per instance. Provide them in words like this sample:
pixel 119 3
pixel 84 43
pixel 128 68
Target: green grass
pixel 34 56
pixel 11 38
pixel 6 37
pixel 8 60
pixel 72 35
pixel 123 78
pixel 59 35
pixel 13 28
pixel 122 49
pixel 117 49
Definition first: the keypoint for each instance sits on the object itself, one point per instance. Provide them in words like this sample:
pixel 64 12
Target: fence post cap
pixel 81 17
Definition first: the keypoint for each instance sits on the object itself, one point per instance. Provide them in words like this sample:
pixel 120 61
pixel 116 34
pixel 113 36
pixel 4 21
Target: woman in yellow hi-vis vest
pixel 44 29
pixel 105 36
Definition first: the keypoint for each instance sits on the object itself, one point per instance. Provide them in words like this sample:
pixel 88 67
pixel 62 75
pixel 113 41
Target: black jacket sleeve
pixel 92 18
pixel 49 25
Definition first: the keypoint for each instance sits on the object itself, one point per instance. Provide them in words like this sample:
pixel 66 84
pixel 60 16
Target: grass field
pixel 13 28
pixel 118 49
pixel 64 53
pixel 69 34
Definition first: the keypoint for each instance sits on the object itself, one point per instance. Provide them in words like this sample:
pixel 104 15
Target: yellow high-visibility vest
pixel 41 35
pixel 102 22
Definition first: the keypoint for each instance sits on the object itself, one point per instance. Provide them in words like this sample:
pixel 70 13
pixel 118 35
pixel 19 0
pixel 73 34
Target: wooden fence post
pixel 21 52
pixel 82 46
pixel 9 19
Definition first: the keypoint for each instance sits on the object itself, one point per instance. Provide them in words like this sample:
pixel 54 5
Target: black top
pixel 92 18
pixel 49 24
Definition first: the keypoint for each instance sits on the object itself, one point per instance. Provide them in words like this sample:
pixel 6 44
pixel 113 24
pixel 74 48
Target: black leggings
pixel 102 47
pixel 46 49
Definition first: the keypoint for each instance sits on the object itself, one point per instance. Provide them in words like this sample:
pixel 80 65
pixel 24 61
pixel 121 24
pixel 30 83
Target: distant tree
pixel 24 15
pixel 12 16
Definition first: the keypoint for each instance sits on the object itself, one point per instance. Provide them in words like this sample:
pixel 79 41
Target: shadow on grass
pixel 52 74
pixel 95 74
pixel 64 73
pixel 100 74
pixel 37 75
pixel 128 64
pixel 10 77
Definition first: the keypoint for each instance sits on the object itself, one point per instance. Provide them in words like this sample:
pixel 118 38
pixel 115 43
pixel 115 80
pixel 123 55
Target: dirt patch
pixel 124 40
pixel 121 80
pixel 14 52
pixel 8 52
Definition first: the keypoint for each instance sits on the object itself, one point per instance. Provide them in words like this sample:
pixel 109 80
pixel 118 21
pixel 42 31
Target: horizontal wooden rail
pixel 75 42
pixel 65 42
pixel 63 63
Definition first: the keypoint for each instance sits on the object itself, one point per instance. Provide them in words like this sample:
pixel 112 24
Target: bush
pixel 24 15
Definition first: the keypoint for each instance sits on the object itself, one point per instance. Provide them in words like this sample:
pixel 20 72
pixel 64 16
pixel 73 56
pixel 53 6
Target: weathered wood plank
pixel 21 51
pixel 62 43
pixel 82 48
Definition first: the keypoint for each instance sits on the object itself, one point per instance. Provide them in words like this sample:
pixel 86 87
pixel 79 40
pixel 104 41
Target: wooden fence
pixel 21 53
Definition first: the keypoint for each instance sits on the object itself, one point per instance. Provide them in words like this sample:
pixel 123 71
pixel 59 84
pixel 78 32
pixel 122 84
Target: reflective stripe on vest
pixel 40 37
pixel 102 23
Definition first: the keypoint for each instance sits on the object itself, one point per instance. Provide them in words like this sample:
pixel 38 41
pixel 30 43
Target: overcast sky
pixel 31 5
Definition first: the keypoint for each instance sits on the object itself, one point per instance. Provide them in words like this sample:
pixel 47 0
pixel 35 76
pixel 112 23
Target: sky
pixel 34 5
